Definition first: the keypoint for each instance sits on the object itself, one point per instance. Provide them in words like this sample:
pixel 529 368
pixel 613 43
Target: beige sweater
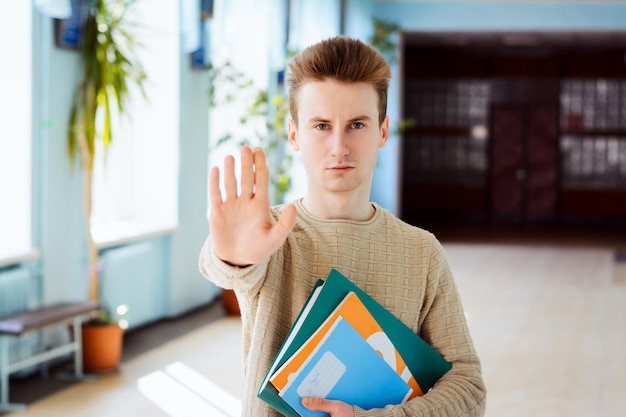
pixel 403 267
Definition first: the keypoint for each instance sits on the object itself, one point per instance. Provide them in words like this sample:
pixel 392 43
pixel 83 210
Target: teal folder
pixel 425 363
pixel 267 392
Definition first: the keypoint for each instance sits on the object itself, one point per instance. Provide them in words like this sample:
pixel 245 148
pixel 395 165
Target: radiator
pixel 131 276
pixel 14 290
pixel 14 296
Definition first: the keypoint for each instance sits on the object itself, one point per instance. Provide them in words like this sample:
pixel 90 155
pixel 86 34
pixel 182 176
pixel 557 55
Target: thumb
pixel 315 403
pixel 332 407
pixel 286 222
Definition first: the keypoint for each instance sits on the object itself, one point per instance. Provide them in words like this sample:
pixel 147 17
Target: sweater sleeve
pixel 461 391
pixel 227 276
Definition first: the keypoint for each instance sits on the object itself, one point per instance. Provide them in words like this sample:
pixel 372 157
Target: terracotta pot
pixel 102 347
pixel 230 303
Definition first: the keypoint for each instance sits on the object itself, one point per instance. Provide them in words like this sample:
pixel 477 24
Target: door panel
pixel 506 162
pixel 542 156
pixel 524 162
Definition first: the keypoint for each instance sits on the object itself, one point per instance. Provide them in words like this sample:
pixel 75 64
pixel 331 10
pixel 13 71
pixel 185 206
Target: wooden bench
pixel 18 324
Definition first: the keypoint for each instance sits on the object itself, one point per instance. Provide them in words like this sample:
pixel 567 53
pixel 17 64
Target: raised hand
pixel 241 225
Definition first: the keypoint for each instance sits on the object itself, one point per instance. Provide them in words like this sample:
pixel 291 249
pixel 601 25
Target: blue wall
pixel 187 287
pixel 61 231
pixel 504 15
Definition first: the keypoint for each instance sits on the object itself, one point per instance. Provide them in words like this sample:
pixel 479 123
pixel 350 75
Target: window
pixel 260 57
pixel 15 142
pixel 449 142
pixel 246 54
pixel 593 146
pixel 136 182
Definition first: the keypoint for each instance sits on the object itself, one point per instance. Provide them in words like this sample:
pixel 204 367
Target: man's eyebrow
pixel 352 120
pixel 318 120
pixel 359 118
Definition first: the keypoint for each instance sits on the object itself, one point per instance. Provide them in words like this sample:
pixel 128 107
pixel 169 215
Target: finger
pixel 230 180
pixel 215 193
pixel 261 174
pixel 247 172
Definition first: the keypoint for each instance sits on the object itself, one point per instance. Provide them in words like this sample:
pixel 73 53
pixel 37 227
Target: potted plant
pixel 109 67
pixel 102 340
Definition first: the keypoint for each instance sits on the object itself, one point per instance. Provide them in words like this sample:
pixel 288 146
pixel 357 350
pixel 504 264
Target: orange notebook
pixel 354 312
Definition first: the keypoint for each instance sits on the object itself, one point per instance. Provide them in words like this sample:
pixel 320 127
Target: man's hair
pixel 341 59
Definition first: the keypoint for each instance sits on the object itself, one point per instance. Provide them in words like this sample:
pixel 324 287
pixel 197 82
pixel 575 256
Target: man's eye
pixel 358 125
pixel 321 126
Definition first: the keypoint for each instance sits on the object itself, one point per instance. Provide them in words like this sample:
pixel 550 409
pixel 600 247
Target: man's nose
pixel 339 143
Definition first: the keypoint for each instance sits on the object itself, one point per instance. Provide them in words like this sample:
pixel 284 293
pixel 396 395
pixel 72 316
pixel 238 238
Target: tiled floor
pixel 548 323
pixel 196 374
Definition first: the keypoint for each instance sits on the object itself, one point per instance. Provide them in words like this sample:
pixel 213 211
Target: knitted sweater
pixel 401 266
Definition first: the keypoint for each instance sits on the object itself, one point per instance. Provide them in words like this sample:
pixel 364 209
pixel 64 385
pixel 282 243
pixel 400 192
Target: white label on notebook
pixel 323 377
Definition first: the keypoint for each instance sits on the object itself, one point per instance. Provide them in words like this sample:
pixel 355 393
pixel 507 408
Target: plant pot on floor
pixel 230 303
pixel 102 347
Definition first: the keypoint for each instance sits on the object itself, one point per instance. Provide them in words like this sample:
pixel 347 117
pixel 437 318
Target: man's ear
pixel 384 133
pixel 292 134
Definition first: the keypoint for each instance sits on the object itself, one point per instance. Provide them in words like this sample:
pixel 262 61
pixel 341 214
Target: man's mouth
pixel 340 168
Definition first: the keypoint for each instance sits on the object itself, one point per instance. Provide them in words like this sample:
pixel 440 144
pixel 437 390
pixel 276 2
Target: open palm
pixel 242 228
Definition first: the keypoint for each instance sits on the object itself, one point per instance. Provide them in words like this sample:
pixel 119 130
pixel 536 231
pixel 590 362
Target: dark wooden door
pixel 523 162
pixel 507 162
pixel 542 150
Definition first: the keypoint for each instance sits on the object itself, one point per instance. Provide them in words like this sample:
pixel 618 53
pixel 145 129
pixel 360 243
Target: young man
pixel 273 256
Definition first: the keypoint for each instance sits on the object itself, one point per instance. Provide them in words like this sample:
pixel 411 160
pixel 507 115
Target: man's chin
pixel 341 186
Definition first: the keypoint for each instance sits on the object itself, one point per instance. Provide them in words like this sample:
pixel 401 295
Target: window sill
pixel 117 235
pixel 17 258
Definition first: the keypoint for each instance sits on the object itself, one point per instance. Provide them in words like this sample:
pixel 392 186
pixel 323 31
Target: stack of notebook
pixel 345 346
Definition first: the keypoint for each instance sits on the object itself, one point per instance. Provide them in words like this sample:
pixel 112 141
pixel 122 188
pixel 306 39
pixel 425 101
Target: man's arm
pixel 461 391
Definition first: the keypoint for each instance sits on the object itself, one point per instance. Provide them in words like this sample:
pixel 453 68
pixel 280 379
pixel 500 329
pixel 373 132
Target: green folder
pixel 425 363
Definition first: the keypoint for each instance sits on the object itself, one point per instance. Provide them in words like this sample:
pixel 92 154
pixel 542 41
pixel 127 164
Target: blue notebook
pixel 345 367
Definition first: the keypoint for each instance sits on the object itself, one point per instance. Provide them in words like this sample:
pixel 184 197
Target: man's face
pixel 338 134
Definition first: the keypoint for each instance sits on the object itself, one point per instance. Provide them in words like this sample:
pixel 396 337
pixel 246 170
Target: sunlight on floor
pixel 182 392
